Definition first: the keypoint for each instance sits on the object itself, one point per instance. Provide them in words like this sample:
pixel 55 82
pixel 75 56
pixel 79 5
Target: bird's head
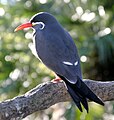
pixel 38 21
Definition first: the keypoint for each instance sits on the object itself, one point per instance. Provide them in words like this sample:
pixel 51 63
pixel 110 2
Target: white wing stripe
pixel 76 63
pixel 67 63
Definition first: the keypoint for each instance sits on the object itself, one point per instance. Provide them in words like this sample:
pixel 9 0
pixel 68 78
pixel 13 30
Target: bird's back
pixel 55 46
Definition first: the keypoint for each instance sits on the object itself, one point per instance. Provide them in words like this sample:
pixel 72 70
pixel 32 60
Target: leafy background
pixel 90 23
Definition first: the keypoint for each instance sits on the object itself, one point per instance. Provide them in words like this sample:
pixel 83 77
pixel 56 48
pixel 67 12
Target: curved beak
pixel 25 25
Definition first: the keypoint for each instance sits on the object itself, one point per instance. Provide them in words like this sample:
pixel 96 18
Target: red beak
pixel 25 25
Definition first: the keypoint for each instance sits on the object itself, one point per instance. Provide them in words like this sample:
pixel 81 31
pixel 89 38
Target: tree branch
pixel 47 94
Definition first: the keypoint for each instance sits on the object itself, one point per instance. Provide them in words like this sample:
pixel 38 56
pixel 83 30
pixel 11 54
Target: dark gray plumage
pixel 54 46
pixel 57 51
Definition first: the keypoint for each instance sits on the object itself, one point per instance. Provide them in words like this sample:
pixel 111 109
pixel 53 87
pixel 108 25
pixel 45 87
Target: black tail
pixel 80 92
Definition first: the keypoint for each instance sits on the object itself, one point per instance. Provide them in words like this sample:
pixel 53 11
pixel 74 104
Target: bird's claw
pixel 56 80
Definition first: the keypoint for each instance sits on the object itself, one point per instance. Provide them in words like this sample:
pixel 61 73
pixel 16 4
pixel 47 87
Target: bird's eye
pixel 40 24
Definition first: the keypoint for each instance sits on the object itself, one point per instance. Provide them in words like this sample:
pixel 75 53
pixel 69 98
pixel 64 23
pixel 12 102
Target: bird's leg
pixel 57 79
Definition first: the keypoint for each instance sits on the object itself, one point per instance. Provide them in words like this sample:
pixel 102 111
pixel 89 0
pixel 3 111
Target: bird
pixel 55 48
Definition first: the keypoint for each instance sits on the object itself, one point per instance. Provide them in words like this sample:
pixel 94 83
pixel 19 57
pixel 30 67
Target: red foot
pixel 56 79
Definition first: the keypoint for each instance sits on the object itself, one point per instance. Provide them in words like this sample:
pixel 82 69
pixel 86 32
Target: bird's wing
pixel 61 56
pixel 57 51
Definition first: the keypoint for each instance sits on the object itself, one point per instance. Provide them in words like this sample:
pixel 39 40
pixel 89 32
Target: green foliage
pixel 89 22
pixel 96 111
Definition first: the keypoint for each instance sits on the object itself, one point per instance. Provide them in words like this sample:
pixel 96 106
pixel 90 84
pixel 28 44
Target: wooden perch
pixel 47 94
